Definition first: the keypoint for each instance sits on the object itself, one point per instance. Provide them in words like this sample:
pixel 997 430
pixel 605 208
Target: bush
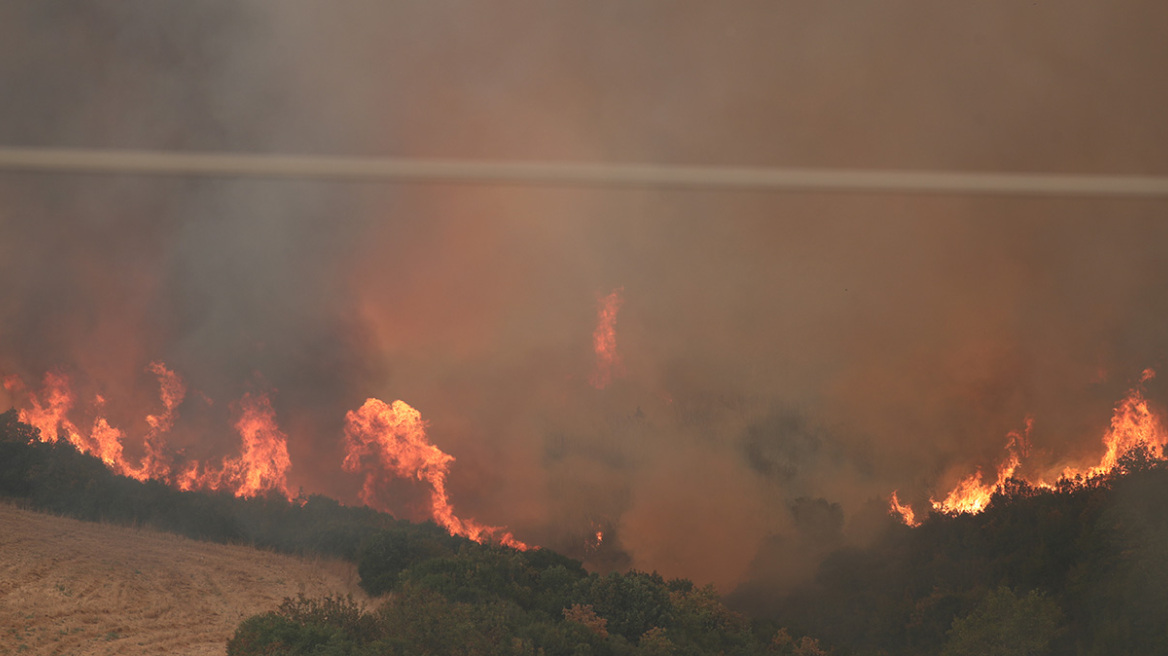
pixel 388 553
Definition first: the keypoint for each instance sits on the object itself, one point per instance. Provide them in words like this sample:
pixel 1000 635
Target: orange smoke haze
pixel 783 361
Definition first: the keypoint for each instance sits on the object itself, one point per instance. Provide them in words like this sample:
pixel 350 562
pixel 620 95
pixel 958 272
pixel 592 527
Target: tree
pixel 1006 624
pixel 387 554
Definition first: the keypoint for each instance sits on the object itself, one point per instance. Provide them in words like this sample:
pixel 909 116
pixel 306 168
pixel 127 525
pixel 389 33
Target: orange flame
pixel 172 391
pixel 608 362
pixel 392 436
pixel 263 464
pixel 1134 426
pixel 381 438
pixel 904 511
pixel 106 444
pixel 48 412
pixel 49 416
pixel 971 495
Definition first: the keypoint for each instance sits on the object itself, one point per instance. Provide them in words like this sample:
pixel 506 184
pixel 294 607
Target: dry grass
pixel 72 587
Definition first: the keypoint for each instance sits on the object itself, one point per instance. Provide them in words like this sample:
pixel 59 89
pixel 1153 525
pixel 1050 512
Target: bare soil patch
pixel 73 587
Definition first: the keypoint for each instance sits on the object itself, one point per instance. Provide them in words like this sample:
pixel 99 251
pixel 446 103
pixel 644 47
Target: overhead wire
pixel 574 174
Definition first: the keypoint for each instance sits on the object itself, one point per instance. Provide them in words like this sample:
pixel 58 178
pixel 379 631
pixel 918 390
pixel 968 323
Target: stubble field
pixel 73 587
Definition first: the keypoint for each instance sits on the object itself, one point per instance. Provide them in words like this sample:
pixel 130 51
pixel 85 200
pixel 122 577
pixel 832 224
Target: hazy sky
pixel 782 352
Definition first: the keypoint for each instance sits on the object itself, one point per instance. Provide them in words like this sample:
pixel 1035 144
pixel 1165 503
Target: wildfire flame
pixel 971 495
pixel 262 466
pixel 381 440
pixel 1134 426
pixel 172 391
pixel 263 463
pixel 385 438
pixel 906 513
pixel 608 362
pixel 48 412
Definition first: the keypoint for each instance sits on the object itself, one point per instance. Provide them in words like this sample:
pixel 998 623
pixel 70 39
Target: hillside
pixel 450 593
pixel 1080 569
pixel 74 587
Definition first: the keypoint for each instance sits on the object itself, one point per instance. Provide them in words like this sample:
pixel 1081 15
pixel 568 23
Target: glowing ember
pixel 905 512
pixel 383 439
pixel 608 362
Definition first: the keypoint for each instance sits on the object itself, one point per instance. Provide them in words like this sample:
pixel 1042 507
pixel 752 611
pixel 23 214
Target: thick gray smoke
pixel 789 359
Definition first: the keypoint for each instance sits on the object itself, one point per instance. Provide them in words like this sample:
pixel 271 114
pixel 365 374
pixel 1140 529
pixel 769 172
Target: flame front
pixel 1134 427
pixel 383 439
pixel 261 467
pixel 48 412
pixel 608 362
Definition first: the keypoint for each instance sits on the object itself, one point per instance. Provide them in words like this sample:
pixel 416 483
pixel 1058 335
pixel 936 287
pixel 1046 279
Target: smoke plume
pixel 788 359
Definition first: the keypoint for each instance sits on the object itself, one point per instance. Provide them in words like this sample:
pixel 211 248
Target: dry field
pixel 72 587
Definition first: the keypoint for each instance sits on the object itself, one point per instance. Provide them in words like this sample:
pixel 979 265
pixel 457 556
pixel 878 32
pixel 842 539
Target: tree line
pixel 1080 569
pixel 439 593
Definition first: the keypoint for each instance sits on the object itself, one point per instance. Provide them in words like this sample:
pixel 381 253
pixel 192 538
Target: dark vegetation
pixel 443 594
pixel 1078 570
pixel 56 478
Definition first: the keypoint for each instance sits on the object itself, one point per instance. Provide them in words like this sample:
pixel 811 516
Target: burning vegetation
pixel 381 441
pixel 261 467
pixel 1136 432
pixel 608 361
pixel 384 440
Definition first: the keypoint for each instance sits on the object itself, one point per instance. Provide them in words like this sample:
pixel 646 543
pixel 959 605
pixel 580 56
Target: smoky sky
pixel 789 359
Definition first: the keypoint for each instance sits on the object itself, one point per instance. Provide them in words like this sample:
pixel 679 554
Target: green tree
pixel 1006 624
pixel 384 557
pixel 633 603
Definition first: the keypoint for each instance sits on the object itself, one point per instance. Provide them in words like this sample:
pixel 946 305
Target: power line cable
pixel 407 170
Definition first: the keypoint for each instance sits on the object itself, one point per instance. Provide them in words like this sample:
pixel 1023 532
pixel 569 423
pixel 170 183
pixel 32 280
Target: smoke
pixel 788 360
